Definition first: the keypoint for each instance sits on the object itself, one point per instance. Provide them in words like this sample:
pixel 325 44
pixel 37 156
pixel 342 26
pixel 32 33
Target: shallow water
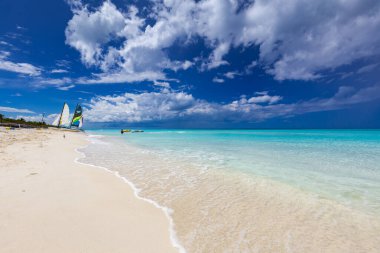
pixel 255 191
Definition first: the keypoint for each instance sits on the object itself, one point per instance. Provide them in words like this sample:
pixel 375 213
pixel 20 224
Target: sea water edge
pixel 343 165
pixel 170 166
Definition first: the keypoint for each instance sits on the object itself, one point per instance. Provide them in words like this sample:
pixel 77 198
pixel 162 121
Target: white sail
pixel 65 117
pixel 81 123
pixel 56 121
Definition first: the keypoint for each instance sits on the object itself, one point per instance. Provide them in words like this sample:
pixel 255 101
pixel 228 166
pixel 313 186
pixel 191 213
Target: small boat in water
pixel 130 131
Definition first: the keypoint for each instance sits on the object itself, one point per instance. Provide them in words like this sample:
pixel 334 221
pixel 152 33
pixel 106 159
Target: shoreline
pixel 166 210
pixel 239 213
pixel 51 202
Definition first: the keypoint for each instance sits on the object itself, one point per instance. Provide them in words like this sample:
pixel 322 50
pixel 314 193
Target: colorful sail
pixel 65 117
pixel 77 120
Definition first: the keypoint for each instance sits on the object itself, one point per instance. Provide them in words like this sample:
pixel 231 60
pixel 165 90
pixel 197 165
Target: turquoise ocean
pixel 170 166
pixel 340 164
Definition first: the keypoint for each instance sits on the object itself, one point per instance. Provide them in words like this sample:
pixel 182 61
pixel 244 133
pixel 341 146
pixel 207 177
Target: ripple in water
pixel 219 209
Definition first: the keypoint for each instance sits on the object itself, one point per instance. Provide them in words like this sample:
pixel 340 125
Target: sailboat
pixel 63 119
pixel 77 120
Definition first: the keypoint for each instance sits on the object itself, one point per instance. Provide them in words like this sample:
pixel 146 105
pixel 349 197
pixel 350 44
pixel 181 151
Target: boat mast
pixel 60 117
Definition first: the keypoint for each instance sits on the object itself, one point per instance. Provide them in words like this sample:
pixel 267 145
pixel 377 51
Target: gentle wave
pixel 167 211
pixel 217 207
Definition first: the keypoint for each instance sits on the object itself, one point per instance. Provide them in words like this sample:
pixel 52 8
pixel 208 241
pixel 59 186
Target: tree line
pixel 21 121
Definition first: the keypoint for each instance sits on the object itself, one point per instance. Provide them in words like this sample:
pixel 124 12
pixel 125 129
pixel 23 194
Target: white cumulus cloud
pixel 59 71
pixel 218 80
pixel 22 68
pixel 263 97
pixel 14 110
pixel 168 104
pixel 297 39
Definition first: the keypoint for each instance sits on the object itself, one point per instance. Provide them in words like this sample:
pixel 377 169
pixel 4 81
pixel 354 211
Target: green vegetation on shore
pixel 20 122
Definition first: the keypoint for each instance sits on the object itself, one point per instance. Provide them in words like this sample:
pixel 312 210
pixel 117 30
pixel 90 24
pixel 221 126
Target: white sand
pixel 49 203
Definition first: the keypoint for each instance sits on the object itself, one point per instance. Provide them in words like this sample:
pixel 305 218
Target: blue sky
pixel 209 63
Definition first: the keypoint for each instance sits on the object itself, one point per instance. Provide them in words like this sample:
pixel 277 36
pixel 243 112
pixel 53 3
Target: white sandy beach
pixel 50 203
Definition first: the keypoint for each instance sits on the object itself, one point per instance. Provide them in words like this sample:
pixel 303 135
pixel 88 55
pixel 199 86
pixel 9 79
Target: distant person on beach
pixel 64 136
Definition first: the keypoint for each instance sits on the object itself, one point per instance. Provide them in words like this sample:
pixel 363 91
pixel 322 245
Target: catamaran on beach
pixel 63 119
